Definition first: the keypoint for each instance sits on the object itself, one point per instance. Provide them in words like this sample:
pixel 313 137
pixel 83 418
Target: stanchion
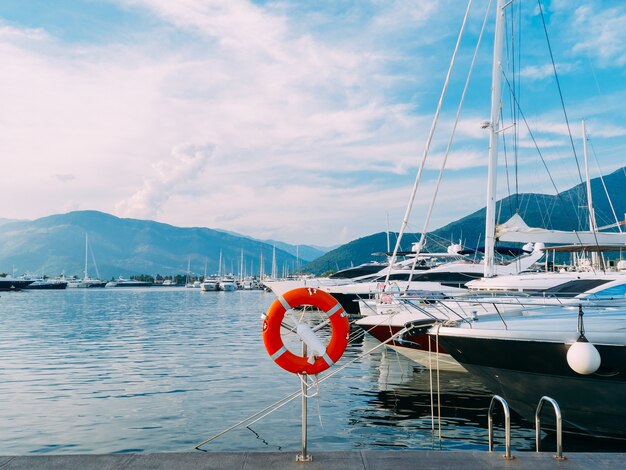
pixel 322 357
pixel 304 456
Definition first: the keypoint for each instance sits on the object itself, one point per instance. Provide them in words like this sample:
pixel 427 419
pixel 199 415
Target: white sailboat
pixel 188 283
pixel 86 281
pixel 580 286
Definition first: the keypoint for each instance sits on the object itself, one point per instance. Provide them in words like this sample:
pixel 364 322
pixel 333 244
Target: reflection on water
pixel 162 369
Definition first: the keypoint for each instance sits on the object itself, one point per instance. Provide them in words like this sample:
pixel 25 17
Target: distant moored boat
pixel 121 282
pixel 11 283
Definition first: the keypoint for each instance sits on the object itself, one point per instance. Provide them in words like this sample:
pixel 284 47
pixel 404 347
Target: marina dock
pixel 339 460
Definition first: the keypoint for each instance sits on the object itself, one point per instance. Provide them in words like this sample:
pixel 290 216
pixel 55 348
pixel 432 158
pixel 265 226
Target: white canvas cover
pixel 516 230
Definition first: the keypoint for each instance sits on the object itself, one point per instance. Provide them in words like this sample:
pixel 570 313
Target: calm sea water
pixel 162 369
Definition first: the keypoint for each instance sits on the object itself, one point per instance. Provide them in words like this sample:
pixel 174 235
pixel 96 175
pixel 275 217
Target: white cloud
pixel 541 72
pixel 605 34
pixel 306 126
pixel 172 176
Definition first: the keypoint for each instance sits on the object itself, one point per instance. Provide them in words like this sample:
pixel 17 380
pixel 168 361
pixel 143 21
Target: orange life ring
pixel 274 342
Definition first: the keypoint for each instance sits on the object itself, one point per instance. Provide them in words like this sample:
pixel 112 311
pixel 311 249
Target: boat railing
pixel 507 426
pixel 559 426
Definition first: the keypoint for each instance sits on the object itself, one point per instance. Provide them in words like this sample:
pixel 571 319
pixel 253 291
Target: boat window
pixel 576 287
pixel 395 277
pixel 615 291
pixel 358 271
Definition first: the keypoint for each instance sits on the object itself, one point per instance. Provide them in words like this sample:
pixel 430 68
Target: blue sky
pixel 293 120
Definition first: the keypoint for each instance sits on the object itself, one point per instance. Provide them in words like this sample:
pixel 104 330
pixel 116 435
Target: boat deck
pixel 340 460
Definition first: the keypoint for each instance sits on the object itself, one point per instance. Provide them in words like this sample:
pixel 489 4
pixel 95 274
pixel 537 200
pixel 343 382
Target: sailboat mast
pixel 274 266
pixel 593 228
pixel 241 266
pixel 388 245
pixel 592 217
pixel 494 129
pixel 261 268
pixel 86 252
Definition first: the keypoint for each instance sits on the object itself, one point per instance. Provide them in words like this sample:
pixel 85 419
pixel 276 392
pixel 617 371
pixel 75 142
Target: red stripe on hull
pixel 419 341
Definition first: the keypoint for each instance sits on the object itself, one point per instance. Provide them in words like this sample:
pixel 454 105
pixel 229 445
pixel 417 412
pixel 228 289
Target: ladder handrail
pixel 507 426
pixel 559 426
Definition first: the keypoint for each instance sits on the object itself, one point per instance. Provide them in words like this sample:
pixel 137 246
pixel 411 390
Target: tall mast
pixel 261 267
pixel 494 129
pixel 592 217
pixel 593 227
pixel 388 245
pixel 86 251
pixel 274 266
pixel 241 266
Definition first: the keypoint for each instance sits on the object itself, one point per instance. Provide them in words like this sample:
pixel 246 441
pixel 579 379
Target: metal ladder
pixel 559 426
pixel 507 426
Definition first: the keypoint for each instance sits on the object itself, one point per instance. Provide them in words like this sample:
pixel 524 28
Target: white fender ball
pixel 583 357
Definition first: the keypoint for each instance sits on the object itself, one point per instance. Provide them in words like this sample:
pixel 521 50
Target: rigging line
pixel 438 386
pixel 593 225
pixel 431 133
pixel 506 166
pixel 510 60
pixel 432 399
pixel 519 92
pixel 450 140
pixel 595 157
pixel 558 84
pixel 296 394
pixel 532 136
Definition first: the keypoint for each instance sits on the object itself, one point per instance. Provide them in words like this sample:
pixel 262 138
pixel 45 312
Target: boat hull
pixel 524 371
pixel 47 286
pixel 128 284
pixel 419 348
pixel 13 284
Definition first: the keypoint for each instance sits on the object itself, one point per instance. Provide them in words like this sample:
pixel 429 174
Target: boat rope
pixel 422 239
pixel 429 139
pixel 531 134
pixel 432 399
pixel 438 384
pixel 558 85
pixel 292 396
pixel 618 223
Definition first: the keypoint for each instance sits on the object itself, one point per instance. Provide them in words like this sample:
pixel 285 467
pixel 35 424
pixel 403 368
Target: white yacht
pixel 228 284
pixel 551 352
pixel 210 284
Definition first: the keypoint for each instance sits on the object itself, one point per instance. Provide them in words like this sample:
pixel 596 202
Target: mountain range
pixel 565 211
pixel 125 247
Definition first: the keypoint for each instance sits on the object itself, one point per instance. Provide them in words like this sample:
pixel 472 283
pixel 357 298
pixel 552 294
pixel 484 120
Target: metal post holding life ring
pixel 274 342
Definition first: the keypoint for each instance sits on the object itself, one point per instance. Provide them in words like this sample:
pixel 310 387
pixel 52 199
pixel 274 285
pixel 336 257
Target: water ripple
pixel 158 370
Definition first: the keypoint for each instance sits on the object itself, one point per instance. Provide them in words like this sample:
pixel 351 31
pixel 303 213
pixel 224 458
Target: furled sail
pixel 516 230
